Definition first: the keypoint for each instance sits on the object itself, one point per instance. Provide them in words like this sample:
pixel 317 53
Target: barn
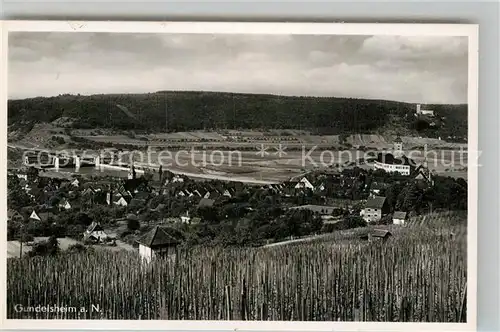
pixel 399 218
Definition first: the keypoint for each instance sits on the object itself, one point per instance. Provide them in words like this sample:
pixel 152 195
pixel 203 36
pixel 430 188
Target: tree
pixel 18 198
pixel 410 198
pixel 353 222
pixel 46 248
pixel 133 224
pixel 32 174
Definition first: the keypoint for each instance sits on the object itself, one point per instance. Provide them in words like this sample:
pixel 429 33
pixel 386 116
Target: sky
pixel 412 69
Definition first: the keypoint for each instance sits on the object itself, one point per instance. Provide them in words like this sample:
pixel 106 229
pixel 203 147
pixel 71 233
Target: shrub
pixel 45 248
pixel 77 247
pixel 133 224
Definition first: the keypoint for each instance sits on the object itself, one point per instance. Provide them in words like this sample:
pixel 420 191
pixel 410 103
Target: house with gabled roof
pixel 382 234
pixel 120 200
pixel 95 233
pixel 64 204
pixel 89 191
pixel 41 216
pixel 423 174
pixel 158 242
pixel 304 183
pixel 13 215
pixel 374 209
pixel 399 218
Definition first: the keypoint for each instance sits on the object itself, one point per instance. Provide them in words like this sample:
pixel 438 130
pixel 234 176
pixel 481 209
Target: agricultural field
pixel 256 160
pixel 419 274
pixel 273 166
pixel 14 247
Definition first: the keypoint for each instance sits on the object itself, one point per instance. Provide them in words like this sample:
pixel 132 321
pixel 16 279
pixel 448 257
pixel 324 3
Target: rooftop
pixel 375 202
pixel 158 237
pixel 399 215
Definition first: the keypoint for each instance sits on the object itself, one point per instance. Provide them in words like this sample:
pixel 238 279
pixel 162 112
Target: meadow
pixel 419 274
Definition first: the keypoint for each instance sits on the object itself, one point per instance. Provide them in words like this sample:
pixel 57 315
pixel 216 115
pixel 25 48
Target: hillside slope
pixel 186 111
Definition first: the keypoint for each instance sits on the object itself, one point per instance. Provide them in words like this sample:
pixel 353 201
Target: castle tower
pixel 418 109
pixel 398 147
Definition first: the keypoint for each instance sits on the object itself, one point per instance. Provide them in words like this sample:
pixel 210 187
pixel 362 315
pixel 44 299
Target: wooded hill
pixel 217 110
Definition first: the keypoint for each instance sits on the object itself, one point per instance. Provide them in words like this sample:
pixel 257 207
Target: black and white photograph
pixel 308 173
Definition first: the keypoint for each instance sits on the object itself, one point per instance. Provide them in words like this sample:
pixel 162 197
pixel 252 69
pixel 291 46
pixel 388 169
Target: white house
pixel 157 243
pixel 227 193
pixel 75 183
pixel 375 209
pixel 34 216
pixel 304 183
pixel 177 178
pixel 42 216
pixel 95 233
pixel 186 218
pixel 120 201
pixel 399 218
pixel 423 173
pixel 22 176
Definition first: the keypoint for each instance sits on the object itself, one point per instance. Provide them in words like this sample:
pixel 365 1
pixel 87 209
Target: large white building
pixel 396 161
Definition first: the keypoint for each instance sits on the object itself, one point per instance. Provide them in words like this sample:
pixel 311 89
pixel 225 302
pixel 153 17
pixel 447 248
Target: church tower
pixel 398 147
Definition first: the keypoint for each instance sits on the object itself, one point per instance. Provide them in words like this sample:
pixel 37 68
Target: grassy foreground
pixel 418 275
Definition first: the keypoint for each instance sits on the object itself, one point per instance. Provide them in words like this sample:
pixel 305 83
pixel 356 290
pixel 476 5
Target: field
pixel 271 166
pixel 243 159
pixel 419 274
pixel 14 247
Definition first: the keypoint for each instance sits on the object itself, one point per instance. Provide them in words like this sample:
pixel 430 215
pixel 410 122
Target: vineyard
pixel 419 275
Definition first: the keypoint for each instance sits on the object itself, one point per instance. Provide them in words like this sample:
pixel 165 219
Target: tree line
pixel 184 111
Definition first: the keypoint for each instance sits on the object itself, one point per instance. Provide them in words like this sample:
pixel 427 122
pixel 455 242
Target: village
pixel 156 212
pixel 264 176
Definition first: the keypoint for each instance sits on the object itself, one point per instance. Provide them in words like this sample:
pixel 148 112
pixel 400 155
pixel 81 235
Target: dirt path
pixel 299 240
